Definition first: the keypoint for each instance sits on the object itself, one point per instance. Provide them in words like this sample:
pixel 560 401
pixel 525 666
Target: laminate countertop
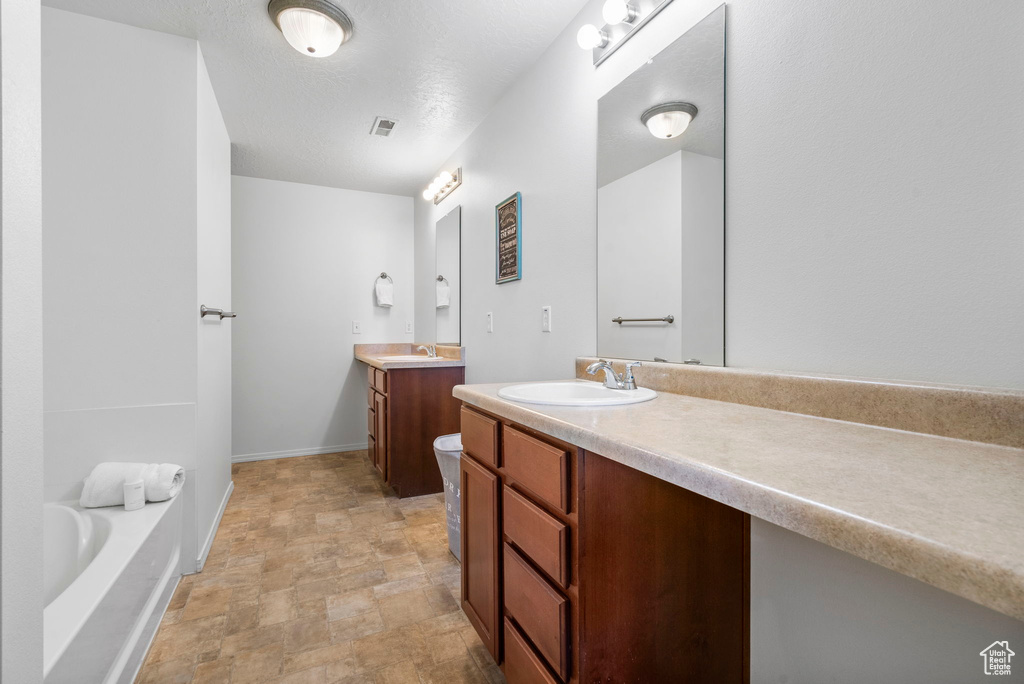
pixel 948 512
pixel 382 356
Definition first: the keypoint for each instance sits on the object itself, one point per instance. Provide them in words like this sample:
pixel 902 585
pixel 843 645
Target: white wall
pixel 538 140
pixel 121 158
pixel 305 259
pixel 875 154
pixel 213 259
pixel 639 254
pixel 21 370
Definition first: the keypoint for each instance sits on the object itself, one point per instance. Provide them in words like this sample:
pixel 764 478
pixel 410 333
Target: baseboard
pixel 311 451
pixel 208 544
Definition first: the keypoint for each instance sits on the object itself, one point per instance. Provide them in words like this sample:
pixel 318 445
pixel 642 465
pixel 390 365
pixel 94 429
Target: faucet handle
pixel 628 380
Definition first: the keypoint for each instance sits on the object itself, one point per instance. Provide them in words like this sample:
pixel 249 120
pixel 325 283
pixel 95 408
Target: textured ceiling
pixel 437 66
pixel 692 69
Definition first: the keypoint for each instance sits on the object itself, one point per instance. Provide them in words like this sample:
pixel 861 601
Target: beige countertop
pixel 377 355
pixel 948 512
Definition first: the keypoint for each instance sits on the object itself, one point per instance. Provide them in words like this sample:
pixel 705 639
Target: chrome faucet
pixel 613 380
pixel 431 350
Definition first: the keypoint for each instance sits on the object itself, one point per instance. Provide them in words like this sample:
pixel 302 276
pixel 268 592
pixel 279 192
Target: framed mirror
pixel 661 205
pixel 448 278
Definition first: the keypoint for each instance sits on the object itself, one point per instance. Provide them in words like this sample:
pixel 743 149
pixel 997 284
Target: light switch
pixel 357 328
pixel 545 319
pixel 490 322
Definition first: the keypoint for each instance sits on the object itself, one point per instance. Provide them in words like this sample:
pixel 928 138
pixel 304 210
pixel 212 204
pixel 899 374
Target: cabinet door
pixel 380 433
pixel 480 551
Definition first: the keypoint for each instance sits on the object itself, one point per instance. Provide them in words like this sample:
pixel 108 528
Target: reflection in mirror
pixel 448 277
pixel 661 196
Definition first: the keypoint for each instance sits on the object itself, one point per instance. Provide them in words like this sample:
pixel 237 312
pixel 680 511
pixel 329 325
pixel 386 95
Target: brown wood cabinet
pixel 576 568
pixel 408 409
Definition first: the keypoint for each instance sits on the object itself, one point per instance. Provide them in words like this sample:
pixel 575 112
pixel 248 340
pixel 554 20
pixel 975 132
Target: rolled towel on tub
pixel 104 486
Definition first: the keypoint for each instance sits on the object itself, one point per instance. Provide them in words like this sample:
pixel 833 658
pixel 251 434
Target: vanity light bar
pixel 632 15
pixel 443 185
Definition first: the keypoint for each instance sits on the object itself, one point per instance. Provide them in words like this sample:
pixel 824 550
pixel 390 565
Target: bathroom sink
pixel 574 394
pixel 412 357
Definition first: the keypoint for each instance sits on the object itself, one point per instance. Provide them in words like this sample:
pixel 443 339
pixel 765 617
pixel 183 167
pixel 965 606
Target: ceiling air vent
pixel 382 126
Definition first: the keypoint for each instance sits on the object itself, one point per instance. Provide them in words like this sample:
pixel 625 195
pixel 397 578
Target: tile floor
pixel 318 574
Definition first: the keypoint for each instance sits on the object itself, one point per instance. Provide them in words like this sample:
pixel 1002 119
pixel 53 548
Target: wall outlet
pixel 545 319
pixel 408 327
pixel 357 328
pixel 490 321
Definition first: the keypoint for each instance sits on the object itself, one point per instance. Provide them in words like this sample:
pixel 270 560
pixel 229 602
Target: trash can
pixel 447 449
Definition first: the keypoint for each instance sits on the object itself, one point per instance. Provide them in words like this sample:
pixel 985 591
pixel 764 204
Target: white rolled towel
pixel 444 295
pixel 385 290
pixel 105 484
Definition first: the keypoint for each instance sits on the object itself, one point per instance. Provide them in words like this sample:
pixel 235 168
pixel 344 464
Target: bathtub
pixel 108 575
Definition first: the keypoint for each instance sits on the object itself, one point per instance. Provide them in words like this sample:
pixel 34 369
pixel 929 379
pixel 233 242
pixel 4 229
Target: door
pixel 480 550
pixel 380 433
pixel 213 288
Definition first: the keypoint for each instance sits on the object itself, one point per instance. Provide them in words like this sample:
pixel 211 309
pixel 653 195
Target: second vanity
pixel 410 404
pixel 613 543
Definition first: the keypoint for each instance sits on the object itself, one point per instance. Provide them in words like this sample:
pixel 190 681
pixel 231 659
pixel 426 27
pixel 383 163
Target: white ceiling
pixel 437 66
pixel 692 69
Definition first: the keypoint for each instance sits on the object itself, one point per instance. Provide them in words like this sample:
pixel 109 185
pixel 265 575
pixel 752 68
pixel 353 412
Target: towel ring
pixel 385 276
pixel 442 279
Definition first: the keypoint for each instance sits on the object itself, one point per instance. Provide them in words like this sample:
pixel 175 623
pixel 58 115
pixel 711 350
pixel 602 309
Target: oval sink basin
pixel 574 394
pixel 412 357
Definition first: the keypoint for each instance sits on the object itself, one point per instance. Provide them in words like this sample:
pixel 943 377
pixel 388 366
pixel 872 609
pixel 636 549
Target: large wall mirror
pixel 661 205
pixel 448 278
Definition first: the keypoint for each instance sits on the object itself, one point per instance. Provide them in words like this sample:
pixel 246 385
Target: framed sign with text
pixel 508 225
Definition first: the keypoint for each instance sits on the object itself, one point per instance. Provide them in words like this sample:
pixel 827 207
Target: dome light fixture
pixel 618 12
pixel 316 28
pixel 669 120
pixel 590 37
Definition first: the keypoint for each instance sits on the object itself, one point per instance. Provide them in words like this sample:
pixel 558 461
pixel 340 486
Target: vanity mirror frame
pixel 636 182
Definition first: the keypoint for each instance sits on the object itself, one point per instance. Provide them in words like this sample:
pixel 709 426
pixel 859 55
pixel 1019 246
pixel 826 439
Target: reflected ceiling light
pixel 618 12
pixel 669 120
pixel 316 28
pixel 590 37
pixel 443 185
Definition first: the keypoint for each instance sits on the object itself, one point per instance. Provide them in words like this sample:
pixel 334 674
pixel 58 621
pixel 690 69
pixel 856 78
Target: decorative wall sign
pixel 508 222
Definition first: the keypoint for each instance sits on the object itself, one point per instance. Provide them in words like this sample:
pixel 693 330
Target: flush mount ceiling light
pixel 443 185
pixel 669 120
pixel 622 19
pixel 316 28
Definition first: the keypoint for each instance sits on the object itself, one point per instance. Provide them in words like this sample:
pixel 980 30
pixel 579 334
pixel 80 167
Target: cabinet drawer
pixel 371 449
pixel 380 381
pixel 370 418
pixel 539 467
pixel 539 610
pixel 522 664
pixel 480 437
pixel 541 537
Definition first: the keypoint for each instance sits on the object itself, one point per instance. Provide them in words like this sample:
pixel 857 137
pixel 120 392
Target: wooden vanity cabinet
pixel 408 408
pixel 576 568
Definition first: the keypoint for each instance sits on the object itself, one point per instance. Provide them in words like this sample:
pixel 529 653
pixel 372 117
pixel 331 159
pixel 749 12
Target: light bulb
pixel 446 178
pixel 310 32
pixel 669 120
pixel 434 187
pixel 427 194
pixel 617 12
pixel 590 37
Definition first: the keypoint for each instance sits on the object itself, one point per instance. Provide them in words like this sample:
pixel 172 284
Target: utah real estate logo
pixel 997 658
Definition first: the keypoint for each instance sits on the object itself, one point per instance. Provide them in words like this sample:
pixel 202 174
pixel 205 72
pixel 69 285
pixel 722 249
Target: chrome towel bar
pixel 205 311
pixel 620 320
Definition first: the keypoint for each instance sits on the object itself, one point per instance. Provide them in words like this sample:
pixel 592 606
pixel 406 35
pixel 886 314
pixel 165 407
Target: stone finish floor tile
pixel 317 575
